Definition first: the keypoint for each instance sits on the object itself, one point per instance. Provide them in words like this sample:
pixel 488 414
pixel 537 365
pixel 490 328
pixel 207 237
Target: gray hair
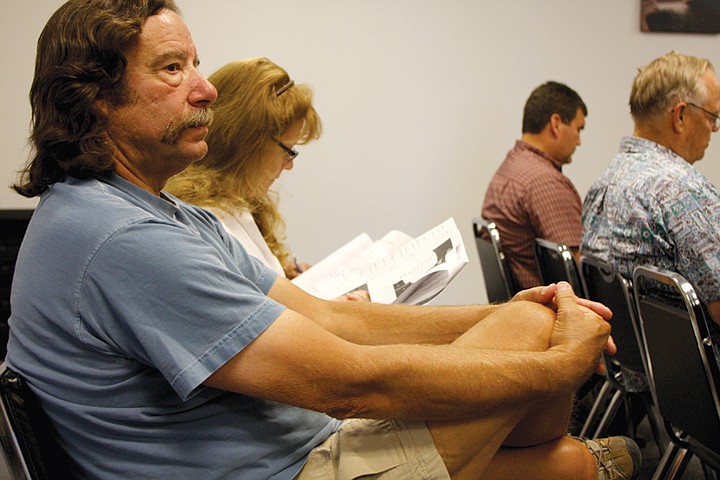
pixel 668 79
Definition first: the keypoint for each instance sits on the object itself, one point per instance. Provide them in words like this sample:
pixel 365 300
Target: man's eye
pixel 174 67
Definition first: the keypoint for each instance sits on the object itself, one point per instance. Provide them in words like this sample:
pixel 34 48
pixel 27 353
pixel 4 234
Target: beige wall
pixel 421 99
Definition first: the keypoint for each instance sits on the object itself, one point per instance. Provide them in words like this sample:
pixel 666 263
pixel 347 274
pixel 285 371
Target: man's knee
pixel 515 326
pixel 529 324
pixel 577 460
pixel 531 311
pixel 560 459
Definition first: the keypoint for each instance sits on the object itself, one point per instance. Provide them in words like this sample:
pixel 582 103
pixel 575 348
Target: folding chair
pixel 682 369
pixel 556 262
pixel 29 443
pixel 13 224
pixel 499 282
pixel 604 285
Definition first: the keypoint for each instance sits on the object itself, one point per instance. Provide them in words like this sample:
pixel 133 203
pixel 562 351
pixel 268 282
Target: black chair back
pixel 603 284
pixel 29 443
pixel 499 282
pixel 626 371
pixel 556 263
pixel 13 224
pixel 682 369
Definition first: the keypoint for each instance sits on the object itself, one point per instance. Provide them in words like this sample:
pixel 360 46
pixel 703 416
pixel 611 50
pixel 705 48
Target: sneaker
pixel 618 458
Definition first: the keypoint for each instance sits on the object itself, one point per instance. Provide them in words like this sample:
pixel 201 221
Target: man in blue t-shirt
pixel 160 349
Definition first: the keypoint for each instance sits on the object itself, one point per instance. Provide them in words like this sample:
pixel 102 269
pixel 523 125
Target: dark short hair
pixel 547 99
pixel 81 58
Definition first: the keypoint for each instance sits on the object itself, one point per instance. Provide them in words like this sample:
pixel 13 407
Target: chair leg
pixel 597 404
pixel 673 463
pixel 655 421
pixel 609 414
pixel 630 420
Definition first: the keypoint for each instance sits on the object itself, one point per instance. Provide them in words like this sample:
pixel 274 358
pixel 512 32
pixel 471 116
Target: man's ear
pixel 678 116
pixel 554 124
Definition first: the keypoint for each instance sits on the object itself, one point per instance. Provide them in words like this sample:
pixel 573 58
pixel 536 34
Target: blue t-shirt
pixel 122 305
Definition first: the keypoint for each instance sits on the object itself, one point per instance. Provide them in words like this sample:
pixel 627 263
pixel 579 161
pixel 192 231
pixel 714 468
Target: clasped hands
pixel 572 312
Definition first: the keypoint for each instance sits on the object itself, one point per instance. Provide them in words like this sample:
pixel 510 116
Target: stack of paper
pixel 394 269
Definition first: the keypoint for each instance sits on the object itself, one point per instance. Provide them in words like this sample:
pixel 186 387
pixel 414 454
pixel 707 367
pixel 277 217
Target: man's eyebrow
pixel 170 56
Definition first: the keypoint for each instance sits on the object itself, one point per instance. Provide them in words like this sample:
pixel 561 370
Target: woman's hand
pixel 354 296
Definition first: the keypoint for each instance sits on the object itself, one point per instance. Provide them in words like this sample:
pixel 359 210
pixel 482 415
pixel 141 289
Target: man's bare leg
pixel 564 458
pixel 472 449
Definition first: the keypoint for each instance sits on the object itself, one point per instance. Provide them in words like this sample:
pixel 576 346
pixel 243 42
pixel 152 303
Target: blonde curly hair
pixel 257 101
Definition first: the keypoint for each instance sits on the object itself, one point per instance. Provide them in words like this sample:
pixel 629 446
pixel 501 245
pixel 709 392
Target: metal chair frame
pixel 29 443
pixel 603 284
pixel 682 369
pixel 556 263
pixel 499 282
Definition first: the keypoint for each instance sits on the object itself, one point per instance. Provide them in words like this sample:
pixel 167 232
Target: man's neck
pixel 538 142
pixel 122 170
pixel 661 138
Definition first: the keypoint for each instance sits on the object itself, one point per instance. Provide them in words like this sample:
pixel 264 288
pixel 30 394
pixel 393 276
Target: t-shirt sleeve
pixel 171 299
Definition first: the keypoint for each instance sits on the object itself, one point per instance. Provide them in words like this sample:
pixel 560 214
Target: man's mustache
pixel 199 118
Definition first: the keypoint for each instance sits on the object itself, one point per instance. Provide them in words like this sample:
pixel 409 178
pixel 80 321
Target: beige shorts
pixel 376 449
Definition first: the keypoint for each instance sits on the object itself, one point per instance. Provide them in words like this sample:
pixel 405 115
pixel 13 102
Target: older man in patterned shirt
pixel 651 206
pixel 529 197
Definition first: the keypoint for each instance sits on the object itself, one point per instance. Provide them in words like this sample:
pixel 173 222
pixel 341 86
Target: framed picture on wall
pixel 682 16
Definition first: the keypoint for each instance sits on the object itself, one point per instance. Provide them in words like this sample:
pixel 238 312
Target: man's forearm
pixel 375 324
pixel 448 382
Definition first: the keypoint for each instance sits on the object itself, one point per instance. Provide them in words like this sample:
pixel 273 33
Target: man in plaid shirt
pixel 529 197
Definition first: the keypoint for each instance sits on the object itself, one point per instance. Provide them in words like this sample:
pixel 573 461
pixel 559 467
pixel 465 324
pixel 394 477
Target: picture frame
pixel 680 16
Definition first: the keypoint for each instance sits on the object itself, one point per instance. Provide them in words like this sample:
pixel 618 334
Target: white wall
pixel 421 99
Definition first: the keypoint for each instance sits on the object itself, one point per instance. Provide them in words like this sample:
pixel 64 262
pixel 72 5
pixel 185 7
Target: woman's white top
pixel 242 226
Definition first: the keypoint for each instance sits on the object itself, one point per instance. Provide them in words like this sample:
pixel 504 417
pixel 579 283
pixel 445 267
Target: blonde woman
pixel 260 115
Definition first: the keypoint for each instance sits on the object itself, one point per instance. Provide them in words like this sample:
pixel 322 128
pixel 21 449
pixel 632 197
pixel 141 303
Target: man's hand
pixel 546 296
pixel 354 296
pixel 581 328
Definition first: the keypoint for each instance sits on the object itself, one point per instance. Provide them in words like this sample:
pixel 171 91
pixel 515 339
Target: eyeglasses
pixel 291 152
pixel 712 116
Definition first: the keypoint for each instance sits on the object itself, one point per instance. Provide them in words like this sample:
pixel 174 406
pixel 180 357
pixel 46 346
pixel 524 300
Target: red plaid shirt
pixel 528 198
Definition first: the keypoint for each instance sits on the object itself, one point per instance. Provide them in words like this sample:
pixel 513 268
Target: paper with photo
pixel 394 269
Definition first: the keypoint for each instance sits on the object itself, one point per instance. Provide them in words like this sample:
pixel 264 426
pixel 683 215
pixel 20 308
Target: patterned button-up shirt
pixel 653 207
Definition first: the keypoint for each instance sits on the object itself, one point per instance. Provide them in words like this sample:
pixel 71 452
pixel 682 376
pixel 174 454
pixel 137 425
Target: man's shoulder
pixel 83 215
pixel 91 202
pixel 525 166
pixel 666 175
pixel 535 156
